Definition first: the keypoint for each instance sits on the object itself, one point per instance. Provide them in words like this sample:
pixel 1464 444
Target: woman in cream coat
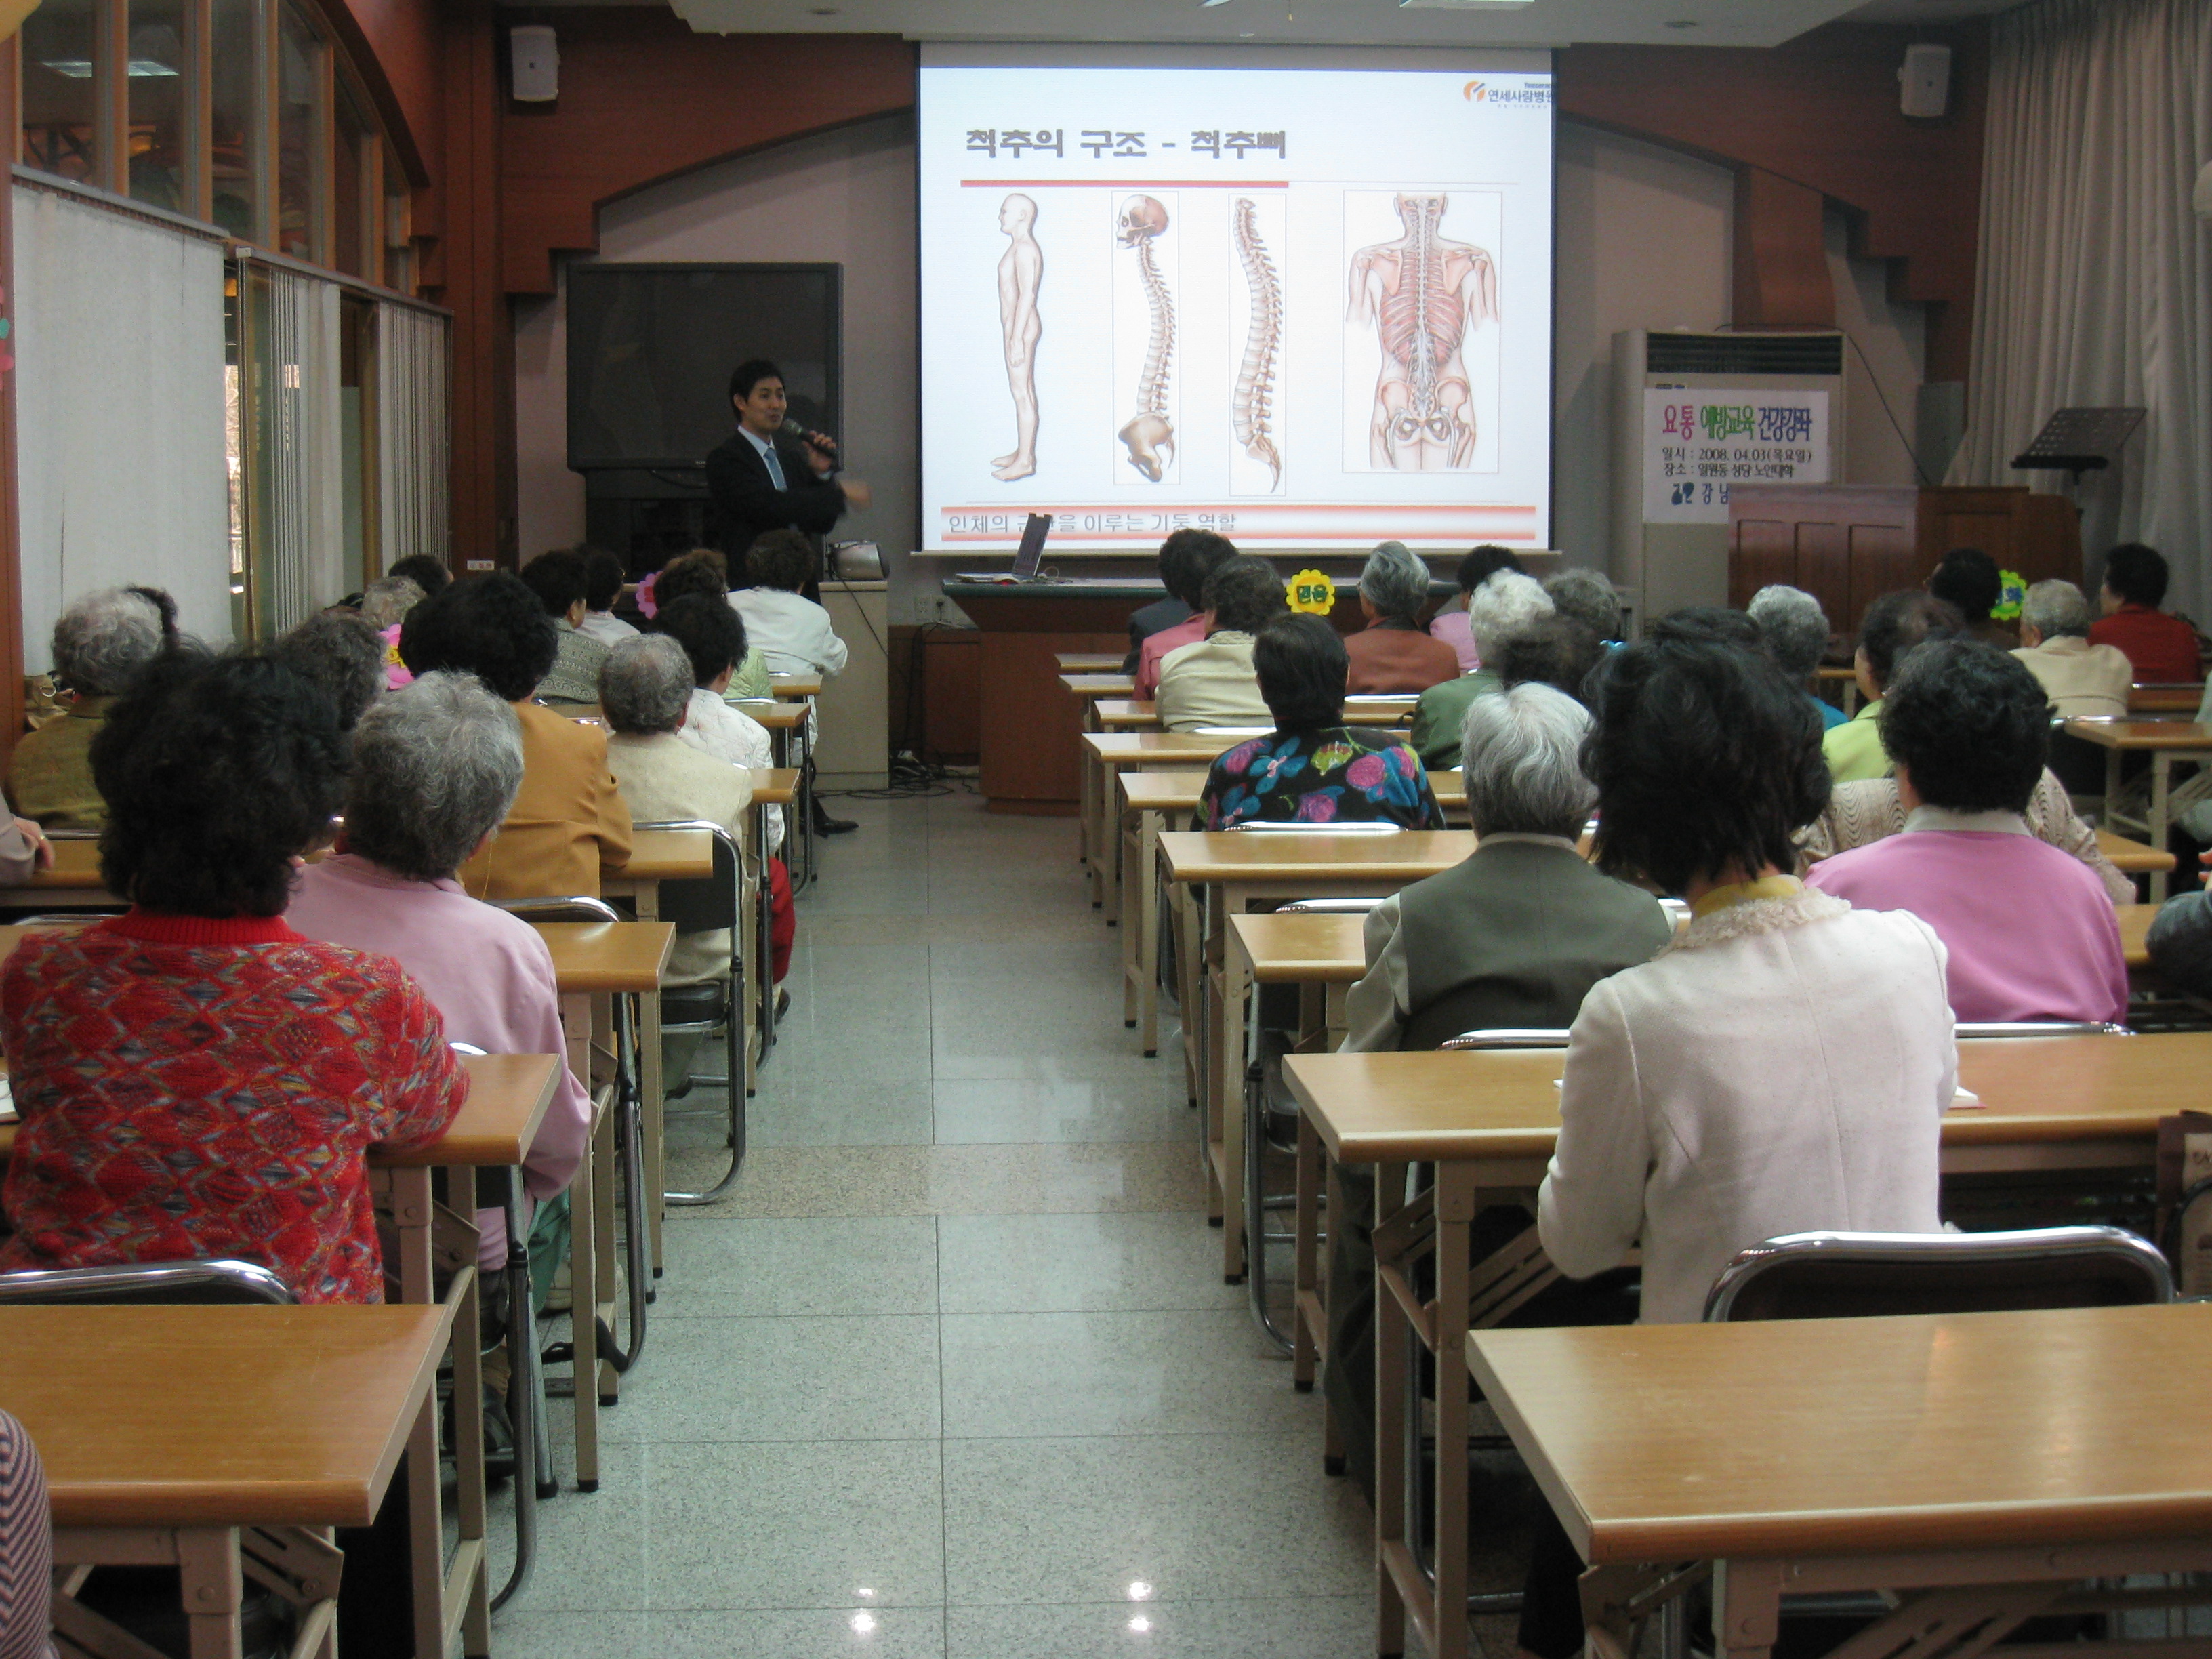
pixel 1782 1068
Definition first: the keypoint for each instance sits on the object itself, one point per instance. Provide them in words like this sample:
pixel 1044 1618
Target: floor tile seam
pixel 970 1604
pixel 810 1316
pixel 1138 1434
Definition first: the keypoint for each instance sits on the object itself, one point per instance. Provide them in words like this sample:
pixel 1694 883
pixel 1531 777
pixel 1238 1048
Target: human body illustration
pixel 1425 294
pixel 1149 434
pixel 1021 272
pixel 1251 413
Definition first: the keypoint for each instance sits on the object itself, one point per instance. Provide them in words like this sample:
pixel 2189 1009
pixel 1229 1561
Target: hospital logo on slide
pixel 1481 92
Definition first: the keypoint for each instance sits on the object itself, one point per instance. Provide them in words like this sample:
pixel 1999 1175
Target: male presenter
pixel 767 478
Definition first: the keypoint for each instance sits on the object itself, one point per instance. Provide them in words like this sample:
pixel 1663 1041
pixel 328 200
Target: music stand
pixel 2078 440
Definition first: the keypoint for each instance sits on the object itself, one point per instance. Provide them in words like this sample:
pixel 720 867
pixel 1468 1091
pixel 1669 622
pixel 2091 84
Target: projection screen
pixel 1306 302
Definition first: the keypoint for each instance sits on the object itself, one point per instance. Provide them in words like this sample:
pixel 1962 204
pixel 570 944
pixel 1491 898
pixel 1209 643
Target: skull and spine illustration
pixel 1251 414
pixel 1424 294
pixel 1149 434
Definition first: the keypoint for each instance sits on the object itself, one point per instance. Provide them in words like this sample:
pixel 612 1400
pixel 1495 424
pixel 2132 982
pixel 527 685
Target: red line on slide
pixel 1126 184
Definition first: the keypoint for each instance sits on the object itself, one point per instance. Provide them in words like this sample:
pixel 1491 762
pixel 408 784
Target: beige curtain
pixel 413 446
pixel 2095 278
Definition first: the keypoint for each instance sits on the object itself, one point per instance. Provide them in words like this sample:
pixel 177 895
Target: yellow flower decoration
pixel 1313 592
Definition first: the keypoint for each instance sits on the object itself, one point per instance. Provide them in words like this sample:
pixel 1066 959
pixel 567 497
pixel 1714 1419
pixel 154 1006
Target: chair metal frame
pixel 2023 1246
pixel 737 1024
pixel 211 1280
pixel 1988 1030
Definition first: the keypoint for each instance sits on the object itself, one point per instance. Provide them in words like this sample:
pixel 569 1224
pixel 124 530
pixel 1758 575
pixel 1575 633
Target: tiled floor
pixel 953 1372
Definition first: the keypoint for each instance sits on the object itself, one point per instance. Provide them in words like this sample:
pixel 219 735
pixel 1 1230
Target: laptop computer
pixel 1028 558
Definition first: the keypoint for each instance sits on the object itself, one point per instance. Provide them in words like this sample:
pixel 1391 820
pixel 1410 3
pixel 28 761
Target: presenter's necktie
pixel 775 467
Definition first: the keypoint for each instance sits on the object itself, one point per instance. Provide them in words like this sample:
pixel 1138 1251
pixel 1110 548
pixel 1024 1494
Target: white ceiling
pixel 1323 23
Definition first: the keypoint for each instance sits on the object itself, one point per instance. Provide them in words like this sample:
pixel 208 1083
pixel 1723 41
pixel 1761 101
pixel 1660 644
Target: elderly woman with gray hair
pixel 2081 680
pixel 1793 628
pixel 100 643
pixel 435 768
pixel 1506 606
pixel 1514 935
pixel 645 692
pixel 1393 653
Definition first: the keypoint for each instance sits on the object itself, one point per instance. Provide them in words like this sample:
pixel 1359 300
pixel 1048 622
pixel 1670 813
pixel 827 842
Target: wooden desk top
pixel 1172 791
pixel 1400 1108
pixel 1677 1443
pixel 1302 949
pixel 507 1097
pixel 775 786
pixel 2164 699
pixel 776 716
pixel 1230 856
pixel 665 855
pixel 795 687
pixel 2142 734
pixel 76 868
pixel 1100 685
pixel 2134 927
pixel 1138 748
pixel 2132 857
pixel 1123 714
pixel 607 956
pixel 257 1416
pixel 1088 662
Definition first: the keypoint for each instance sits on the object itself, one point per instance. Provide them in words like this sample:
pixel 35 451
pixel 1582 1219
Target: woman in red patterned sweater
pixel 195 1078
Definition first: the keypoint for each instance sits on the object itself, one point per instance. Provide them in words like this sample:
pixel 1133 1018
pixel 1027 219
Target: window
pixel 303 189
pixel 354 203
pixel 235 141
pixel 61 101
pixel 158 76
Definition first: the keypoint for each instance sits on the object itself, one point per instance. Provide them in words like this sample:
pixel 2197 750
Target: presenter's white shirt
pixel 790 631
pixel 605 626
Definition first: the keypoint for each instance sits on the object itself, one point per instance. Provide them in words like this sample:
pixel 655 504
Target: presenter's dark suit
pixel 746 501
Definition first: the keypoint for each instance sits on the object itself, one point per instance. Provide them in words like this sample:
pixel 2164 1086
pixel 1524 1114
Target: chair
pixel 1506 1038
pixel 1981 1030
pixel 1279 827
pixel 210 1283
pixel 1329 907
pixel 1836 1275
pixel 699 907
pixel 629 1161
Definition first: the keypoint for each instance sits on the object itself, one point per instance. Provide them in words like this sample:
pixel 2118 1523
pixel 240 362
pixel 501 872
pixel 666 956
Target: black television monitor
pixel 651 347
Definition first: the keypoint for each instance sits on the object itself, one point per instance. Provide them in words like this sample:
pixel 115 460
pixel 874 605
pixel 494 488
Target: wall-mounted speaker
pixel 536 59
pixel 1925 82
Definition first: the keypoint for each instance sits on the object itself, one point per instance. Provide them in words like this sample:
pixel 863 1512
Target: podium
pixel 1847 544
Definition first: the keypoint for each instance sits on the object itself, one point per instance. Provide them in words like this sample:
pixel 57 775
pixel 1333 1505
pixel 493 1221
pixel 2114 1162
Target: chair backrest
pixel 172 1283
pixel 1279 827
pixel 1858 1276
pixel 1327 907
pixel 580 908
pixel 1507 1036
pixel 701 907
pixel 1980 1031
pixel 1678 912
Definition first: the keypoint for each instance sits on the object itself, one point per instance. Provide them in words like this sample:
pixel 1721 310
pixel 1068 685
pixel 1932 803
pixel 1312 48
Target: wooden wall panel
pixel 643 98
pixel 398 46
pixel 1780 269
pixel 1821 111
pixel 483 475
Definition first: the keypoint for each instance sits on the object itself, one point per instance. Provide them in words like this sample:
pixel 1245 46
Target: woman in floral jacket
pixel 1313 768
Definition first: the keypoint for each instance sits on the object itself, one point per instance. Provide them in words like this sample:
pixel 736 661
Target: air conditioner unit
pixel 1693 415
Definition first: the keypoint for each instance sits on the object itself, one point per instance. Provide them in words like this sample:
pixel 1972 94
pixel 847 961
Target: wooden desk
pixel 1489 1122
pixel 73 883
pixel 2133 857
pixel 1089 662
pixel 1239 872
pixel 2135 931
pixel 2164 741
pixel 777 788
pixel 594 963
pixel 1090 690
pixel 657 855
pixel 1124 715
pixel 1845 680
pixel 1981 1465
pixel 1100 684
pixel 790 727
pixel 272 1418
pixel 2164 699
pixel 1101 758
pixel 794 688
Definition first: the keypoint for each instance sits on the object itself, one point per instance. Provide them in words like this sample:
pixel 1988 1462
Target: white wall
pixel 1643 241
pixel 845 197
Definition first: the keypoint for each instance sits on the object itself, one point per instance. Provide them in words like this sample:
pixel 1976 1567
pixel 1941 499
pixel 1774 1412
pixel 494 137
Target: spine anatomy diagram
pixel 1251 414
pixel 1424 295
pixel 1149 434
pixel 1021 272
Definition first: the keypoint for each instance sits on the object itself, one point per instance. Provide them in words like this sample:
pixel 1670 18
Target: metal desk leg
pixel 585 1020
pixel 1455 1202
pixel 1393 1348
pixel 213 1589
pixel 524 1394
pixel 1225 1059
pixel 1308 1314
pixel 1089 823
pixel 2111 786
pixel 2161 778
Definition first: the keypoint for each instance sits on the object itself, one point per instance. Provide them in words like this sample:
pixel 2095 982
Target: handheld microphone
pixel 821 441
